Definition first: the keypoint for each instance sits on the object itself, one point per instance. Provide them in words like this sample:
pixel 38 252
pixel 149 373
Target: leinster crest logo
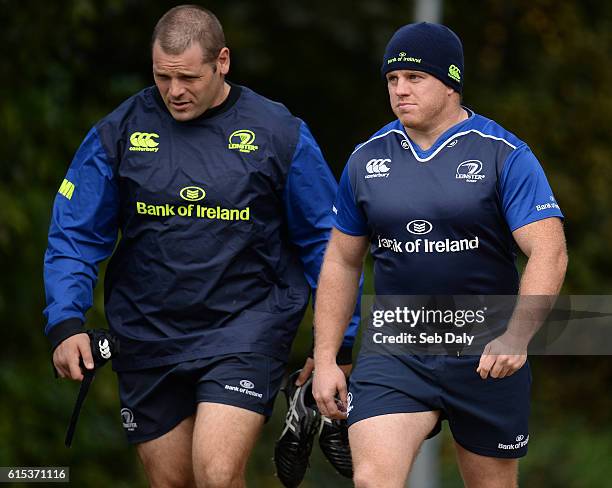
pixel 470 171
pixel 243 140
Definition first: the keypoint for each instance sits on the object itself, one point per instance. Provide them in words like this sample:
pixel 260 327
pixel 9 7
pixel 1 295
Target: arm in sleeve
pixel 309 195
pixel 348 217
pixel 82 233
pixel 525 193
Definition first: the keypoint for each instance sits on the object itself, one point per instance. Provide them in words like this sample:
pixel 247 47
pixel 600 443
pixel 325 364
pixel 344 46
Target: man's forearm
pixel 336 299
pixel 540 285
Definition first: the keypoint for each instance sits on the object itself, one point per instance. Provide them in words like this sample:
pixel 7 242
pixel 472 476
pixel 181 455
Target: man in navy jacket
pixel 223 200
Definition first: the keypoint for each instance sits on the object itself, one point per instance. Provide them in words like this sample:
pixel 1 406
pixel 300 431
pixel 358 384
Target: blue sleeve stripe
pixel 526 196
pixel 537 217
pixel 82 233
pixel 349 232
pixel 308 195
pixel 348 216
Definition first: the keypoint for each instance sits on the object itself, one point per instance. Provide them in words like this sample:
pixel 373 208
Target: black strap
pixel 103 347
pixel 89 376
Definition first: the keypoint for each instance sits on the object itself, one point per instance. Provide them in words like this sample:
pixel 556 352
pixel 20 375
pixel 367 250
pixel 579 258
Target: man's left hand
pixel 502 357
pixel 308 368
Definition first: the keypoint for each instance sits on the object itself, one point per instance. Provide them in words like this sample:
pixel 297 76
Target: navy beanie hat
pixel 432 48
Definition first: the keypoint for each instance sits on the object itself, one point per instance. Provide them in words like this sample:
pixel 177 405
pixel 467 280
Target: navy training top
pixel 440 221
pixel 224 220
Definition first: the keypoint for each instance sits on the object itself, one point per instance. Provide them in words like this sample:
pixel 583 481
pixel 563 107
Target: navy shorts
pixel 155 400
pixel 488 417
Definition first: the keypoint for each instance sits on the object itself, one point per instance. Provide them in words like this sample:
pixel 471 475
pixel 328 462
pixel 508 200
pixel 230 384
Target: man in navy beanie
pixel 443 197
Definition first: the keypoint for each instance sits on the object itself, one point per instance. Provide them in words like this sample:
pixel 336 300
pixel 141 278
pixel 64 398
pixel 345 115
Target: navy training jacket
pixel 223 219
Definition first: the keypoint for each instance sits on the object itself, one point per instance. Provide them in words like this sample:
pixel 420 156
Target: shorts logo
pixel 128 419
pixel 521 441
pixel 419 227
pixel 469 171
pixel 349 403
pixel 104 348
pixel 454 72
pixel 242 140
pixel 66 189
pixel 377 168
pixel 247 384
pixel 144 141
pixel 245 388
pixel 192 193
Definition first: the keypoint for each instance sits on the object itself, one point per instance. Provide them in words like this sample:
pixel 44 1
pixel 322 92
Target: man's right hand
pixel 327 381
pixel 67 355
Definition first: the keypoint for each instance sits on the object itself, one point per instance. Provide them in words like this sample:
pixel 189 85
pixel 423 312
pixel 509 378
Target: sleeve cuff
pixel 350 232
pixel 63 330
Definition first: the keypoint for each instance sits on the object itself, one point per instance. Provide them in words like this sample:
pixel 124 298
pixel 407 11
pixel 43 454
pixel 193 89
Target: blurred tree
pixel 540 68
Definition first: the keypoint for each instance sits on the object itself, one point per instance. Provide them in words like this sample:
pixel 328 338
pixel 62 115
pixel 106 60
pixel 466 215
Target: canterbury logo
pixel 66 189
pixel 192 193
pixel 243 141
pixel 377 168
pixel 104 347
pixel 144 141
pixel 454 73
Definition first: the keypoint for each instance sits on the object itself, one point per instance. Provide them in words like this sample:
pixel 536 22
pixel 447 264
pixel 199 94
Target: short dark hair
pixel 181 26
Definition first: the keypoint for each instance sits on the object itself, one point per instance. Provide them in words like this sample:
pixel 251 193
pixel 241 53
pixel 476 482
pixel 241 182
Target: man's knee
pixel 224 436
pixel 486 472
pixel 172 481
pixel 368 475
pixel 218 475
pixel 167 459
pixel 167 477
pixel 364 476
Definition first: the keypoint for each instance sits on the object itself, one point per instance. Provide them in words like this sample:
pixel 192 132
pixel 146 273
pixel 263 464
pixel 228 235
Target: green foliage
pixel 541 68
